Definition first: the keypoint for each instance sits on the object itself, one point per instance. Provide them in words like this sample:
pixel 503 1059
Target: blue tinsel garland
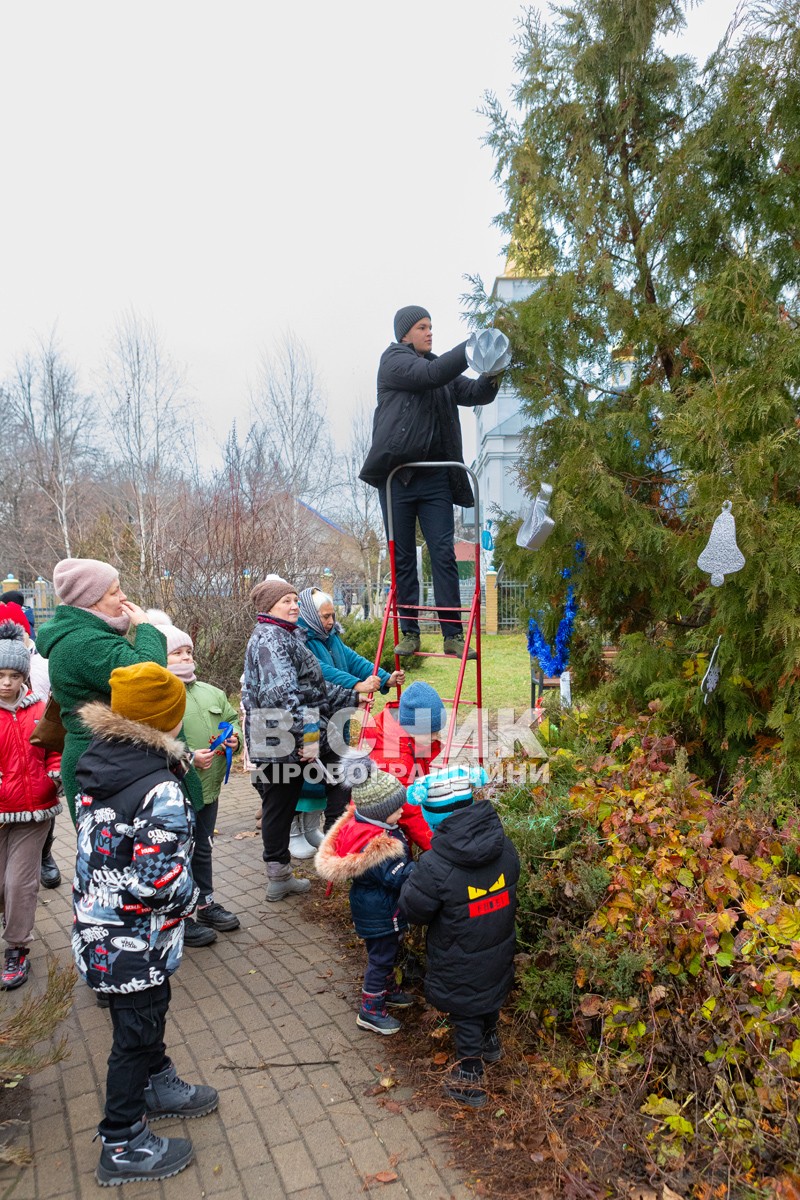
pixel 554 661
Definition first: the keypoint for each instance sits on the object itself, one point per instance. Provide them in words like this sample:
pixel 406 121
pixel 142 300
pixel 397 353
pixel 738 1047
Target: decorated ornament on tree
pixel 722 556
pixel 537 524
pixel 488 352
pixel 708 683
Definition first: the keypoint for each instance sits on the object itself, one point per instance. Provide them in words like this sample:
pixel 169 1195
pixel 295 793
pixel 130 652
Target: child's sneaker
pixel 492 1047
pixel 399 1000
pixel 138 1154
pixel 465 1087
pixel 166 1095
pixel 373 1015
pixel 15 968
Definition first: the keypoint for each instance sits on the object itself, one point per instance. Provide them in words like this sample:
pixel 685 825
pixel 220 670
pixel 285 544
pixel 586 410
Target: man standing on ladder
pixel 417 420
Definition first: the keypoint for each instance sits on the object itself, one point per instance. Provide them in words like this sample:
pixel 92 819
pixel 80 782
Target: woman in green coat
pixel 85 641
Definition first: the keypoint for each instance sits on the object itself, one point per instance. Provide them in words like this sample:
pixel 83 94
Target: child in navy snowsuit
pixel 366 847
pixel 465 890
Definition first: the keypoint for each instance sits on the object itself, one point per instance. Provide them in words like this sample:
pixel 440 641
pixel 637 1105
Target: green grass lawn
pixel 506 672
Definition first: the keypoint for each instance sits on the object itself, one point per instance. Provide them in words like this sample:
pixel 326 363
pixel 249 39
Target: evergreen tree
pixel 658 206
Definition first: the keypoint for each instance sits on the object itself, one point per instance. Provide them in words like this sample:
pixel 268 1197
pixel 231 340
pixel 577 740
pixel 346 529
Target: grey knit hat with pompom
pixel 376 794
pixel 14 654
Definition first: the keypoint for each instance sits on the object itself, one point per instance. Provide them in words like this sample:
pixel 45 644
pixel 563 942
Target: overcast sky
pixel 236 170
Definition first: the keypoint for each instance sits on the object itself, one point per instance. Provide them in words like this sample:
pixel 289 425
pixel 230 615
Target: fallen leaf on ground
pixel 387 1082
pixel 441 1058
pixel 635 1191
pixel 237 837
pixel 668 1194
pixel 380 1177
pixel 591 1005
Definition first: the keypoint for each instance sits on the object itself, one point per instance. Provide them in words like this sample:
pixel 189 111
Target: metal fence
pixel 512 604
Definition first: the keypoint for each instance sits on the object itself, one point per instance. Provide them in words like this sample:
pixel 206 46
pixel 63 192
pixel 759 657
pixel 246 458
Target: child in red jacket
pixel 403 740
pixel 29 777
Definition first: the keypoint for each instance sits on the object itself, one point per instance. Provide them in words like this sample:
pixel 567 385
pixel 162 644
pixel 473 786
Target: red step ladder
pixel 472 623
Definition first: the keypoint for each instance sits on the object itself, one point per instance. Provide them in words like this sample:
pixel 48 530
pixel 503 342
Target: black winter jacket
pixel 133 883
pixel 415 393
pixel 465 890
pixel 283 690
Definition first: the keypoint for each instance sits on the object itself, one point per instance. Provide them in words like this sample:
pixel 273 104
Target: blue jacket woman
pixel 339 663
pixel 341 667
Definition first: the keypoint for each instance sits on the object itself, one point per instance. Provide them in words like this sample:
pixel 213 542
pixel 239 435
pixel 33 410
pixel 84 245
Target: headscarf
pixel 310 614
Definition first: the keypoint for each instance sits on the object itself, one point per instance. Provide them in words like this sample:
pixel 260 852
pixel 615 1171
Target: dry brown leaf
pixel 635 1191
pixel 439 1033
pixel 238 837
pixel 668 1194
pixel 591 1005
pixel 441 1058
pixel 379 1177
pixel 787 1186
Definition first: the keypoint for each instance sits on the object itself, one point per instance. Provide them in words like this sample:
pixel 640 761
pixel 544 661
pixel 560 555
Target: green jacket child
pixel 206 707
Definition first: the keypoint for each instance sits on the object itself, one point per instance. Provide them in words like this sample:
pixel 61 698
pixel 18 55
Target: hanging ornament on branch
pixel 722 556
pixel 537 524
pixel 488 352
pixel 708 683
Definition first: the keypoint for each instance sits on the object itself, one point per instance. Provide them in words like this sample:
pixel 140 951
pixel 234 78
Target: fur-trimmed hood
pixel 111 727
pixel 123 751
pixel 353 847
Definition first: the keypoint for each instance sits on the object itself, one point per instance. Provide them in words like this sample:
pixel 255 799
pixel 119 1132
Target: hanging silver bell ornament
pixel 488 352
pixel 537 524
pixel 722 556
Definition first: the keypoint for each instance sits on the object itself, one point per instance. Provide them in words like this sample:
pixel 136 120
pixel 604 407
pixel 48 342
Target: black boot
pixel 50 874
pixel 138 1154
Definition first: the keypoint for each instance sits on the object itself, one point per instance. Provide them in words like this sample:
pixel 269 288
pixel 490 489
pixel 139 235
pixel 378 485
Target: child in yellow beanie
pixel 133 889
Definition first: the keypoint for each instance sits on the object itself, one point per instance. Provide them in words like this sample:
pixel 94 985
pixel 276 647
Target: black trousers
pixel 279 786
pixel 137 1052
pixel 469 1035
pixel 205 821
pixel 381 957
pixel 426 498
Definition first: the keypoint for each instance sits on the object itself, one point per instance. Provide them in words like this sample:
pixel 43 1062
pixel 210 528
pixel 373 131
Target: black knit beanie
pixel 406 317
pixel 376 794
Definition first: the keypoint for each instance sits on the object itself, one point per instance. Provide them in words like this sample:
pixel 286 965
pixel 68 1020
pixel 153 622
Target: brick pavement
pixel 274 991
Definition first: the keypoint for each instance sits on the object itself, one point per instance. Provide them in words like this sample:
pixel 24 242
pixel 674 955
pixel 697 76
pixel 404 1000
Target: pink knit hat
pixel 81 582
pixel 176 638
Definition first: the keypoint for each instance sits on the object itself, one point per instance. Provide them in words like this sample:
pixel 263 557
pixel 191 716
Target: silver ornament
pixel 708 683
pixel 722 556
pixel 488 352
pixel 537 525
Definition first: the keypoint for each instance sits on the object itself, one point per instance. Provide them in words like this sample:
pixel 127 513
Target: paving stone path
pixel 273 992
